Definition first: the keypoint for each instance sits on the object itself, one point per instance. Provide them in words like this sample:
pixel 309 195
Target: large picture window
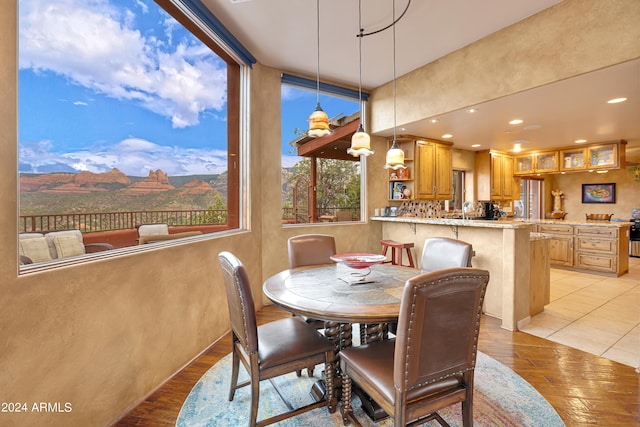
pixel 129 115
pixel 320 181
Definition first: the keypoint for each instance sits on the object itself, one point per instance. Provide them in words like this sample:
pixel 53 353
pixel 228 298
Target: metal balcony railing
pixel 112 221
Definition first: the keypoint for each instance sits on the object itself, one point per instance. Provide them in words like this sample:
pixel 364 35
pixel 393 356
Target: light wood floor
pixel 586 390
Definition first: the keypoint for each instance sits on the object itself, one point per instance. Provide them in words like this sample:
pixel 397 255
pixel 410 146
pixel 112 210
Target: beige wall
pixel 104 334
pixel 571 38
pixel 627 193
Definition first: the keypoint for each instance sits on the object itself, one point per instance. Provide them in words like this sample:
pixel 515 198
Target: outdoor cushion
pixel 53 234
pixel 153 229
pixel 35 248
pixel 68 246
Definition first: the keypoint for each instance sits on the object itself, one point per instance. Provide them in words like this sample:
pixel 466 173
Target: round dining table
pixel 342 296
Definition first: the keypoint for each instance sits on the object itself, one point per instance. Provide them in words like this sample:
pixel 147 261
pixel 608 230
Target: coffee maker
pixel 490 212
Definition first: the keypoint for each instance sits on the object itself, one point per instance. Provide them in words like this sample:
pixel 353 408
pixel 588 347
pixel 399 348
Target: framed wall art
pixel 599 193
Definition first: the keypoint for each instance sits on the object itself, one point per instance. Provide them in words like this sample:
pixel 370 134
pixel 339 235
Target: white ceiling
pixel 282 34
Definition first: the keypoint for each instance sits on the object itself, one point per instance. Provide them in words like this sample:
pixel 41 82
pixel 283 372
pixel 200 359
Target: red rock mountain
pixel 88 182
pixel 83 182
pixel 156 181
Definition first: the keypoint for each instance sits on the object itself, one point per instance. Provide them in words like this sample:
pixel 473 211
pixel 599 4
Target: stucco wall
pixel 571 38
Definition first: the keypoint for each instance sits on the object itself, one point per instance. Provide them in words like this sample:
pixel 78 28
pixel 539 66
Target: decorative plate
pixel 358 260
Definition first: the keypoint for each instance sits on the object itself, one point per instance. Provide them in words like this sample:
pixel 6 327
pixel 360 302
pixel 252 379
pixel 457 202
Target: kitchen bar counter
pixel 505 247
pixel 501 223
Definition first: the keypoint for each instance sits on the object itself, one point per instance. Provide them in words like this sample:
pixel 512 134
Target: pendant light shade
pixel 318 120
pixel 360 141
pixel 395 156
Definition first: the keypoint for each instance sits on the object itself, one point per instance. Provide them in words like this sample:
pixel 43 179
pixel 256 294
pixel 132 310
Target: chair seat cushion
pixel 285 340
pixel 375 363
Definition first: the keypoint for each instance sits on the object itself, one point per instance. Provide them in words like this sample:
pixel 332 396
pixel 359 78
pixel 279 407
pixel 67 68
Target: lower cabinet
pixel 561 244
pixel 588 247
pixel 596 248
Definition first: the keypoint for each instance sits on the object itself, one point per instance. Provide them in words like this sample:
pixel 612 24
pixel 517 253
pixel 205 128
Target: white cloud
pixel 95 45
pixel 132 156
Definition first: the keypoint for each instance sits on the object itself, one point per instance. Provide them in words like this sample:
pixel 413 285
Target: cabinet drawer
pixel 555 229
pixel 589 261
pixel 595 244
pixel 611 232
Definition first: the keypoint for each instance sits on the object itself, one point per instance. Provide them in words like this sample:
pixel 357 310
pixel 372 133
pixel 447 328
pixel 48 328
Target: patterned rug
pixel 501 398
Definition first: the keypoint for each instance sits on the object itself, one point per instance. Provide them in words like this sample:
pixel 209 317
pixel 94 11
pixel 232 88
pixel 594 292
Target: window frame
pixel 203 25
pixel 327 89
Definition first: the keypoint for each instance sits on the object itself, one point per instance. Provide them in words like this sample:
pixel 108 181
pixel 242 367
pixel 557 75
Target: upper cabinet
pixel 429 170
pixel 605 156
pixel 495 176
pixel 609 155
pixel 434 170
pixel 573 159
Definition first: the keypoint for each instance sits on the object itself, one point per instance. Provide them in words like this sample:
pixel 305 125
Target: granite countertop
pixel 501 223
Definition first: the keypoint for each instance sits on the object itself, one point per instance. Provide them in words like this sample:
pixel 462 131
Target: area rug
pixel 501 398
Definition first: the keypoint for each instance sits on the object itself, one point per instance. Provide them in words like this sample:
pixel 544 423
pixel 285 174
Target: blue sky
pixel 120 83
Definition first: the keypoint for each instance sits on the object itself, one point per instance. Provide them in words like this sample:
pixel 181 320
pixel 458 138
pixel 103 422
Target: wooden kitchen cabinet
pixel 433 170
pixel 597 249
pixel 573 159
pixel 495 180
pixel 604 156
pixel 547 162
pixel 561 244
pixel 601 249
pixel 524 164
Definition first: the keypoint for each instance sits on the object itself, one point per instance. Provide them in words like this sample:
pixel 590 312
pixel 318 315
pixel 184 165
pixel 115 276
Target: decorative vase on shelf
pixel 403 173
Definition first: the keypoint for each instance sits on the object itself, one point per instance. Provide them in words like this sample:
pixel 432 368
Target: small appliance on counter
pixel 490 211
pixel 634 234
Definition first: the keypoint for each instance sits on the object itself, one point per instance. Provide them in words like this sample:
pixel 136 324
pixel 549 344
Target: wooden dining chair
pixel 274 349
pixel 430 364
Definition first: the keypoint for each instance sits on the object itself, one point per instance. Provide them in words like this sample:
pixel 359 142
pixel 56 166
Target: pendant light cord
pixel 318 42
pixel 360 58
pixel 395 117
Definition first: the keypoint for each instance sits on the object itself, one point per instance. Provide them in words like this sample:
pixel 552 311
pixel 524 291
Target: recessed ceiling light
pixel 447 135
pixel 532 127
pixel 515 121
pixel 616 100
pixel 476 145
pixel 434 120
pixel 580 141
pixel 472 110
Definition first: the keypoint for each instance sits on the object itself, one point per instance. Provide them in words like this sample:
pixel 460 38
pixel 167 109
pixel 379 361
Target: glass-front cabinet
pixel 573 159
pixel 547 162
pixel 524 164
pixel 603 156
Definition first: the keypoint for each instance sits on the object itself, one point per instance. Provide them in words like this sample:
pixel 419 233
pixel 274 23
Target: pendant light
pixel 318 120
pixel 360 141
pixel 395 156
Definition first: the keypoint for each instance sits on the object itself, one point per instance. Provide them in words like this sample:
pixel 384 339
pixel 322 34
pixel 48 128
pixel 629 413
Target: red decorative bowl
pixel 358 260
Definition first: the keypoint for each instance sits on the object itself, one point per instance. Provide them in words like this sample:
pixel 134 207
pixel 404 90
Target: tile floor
pixel 596 314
